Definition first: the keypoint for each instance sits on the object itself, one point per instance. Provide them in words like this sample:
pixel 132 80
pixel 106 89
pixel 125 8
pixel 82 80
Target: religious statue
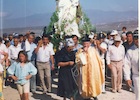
pixel 67 17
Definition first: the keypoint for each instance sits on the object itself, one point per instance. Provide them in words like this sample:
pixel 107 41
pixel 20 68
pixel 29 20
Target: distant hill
pixel 103 17
pixel 131 26
pixel 102 20
pixel 96 17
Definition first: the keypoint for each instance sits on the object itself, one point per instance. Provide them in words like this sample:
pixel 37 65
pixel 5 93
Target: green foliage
pixel 56 40
pixel 54 19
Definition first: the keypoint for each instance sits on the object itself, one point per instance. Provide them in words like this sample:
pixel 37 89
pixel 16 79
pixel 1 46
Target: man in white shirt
pixel 114 57
pixel 30 48
pixel 14 50
pixel 113 34
pixel 77 46
pixel 44 55
pixel 132 62
pixel 102 48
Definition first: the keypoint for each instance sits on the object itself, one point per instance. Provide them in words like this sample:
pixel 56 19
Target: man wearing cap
pixel 90 68
pixel 44 55
pixel 66 60
pixel 113 34
pixel 132 62
pixel 114 57
pixel 102 48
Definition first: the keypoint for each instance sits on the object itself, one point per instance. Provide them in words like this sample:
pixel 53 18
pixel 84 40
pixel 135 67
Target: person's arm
pixel 1 70
pixel 63 64
pixel 103 50
pixel 5 56
pixel 127 68
pixel 32 71
pixel 52 61
pixel 38 46
pixel 123 52
pixel 108 58
pixel 11 71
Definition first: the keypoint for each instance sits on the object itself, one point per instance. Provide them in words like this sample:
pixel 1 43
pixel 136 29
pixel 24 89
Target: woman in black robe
pixel 66 59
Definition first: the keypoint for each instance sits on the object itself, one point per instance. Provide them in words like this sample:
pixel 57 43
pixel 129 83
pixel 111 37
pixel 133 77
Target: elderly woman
pixel 66 83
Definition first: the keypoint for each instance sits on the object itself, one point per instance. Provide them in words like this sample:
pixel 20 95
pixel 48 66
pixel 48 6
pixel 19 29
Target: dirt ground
pixel 11 93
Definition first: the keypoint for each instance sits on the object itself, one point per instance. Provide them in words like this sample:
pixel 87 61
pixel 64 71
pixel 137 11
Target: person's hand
pixel 28 77
pixel 97 42
pixel 14 78
pixel 71 63
pixel 40 43
pixel 52 67
pixel 109 66
pixel 129 83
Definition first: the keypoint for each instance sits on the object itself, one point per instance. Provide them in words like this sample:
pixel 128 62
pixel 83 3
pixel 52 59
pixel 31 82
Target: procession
pixel 69 60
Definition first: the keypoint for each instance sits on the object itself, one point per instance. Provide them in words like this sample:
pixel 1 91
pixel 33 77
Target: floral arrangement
pixel 58 33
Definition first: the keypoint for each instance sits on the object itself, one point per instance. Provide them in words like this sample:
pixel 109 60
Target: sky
pixel 21 8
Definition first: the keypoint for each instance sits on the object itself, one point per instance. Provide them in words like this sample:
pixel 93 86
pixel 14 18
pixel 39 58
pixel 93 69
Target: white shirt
pixel 3 49
pixel 50 44
pixel 1 67
pixel 131 61
pixel 8 51
pixel 109 41
pixel 14 51
pixel 115 53
pixel 77 47
pixel 104 46
pixel 44 53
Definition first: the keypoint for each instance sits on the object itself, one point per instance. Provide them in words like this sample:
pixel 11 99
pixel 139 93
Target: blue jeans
pixel 33 80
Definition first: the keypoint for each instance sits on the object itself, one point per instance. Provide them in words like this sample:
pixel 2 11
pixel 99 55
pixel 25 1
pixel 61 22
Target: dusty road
pixel 11 93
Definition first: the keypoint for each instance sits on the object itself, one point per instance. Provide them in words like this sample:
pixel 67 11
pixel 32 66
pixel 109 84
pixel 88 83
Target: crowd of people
pixel 81 65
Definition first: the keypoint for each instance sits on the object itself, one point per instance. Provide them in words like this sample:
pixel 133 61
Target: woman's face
pixel 22 57
pixel 70 48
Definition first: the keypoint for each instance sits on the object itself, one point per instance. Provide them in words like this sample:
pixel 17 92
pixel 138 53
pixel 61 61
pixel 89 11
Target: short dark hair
pixel 108 33
pixel 75 36
pixel 10 35
pixel 46 36
pixel 7 41
pixel 16 37
pixel 37 39
pixel 20 35
pixel 124 27
pixel 129 32
pixel 25 54
pixel 32 33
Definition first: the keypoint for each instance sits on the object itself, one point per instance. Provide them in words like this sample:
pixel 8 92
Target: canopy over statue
pixel 67 17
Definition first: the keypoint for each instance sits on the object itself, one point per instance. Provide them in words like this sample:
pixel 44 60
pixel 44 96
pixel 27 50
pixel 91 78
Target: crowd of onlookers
pixel 23 56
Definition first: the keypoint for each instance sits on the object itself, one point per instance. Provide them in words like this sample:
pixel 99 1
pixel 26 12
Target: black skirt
pixel 66 84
